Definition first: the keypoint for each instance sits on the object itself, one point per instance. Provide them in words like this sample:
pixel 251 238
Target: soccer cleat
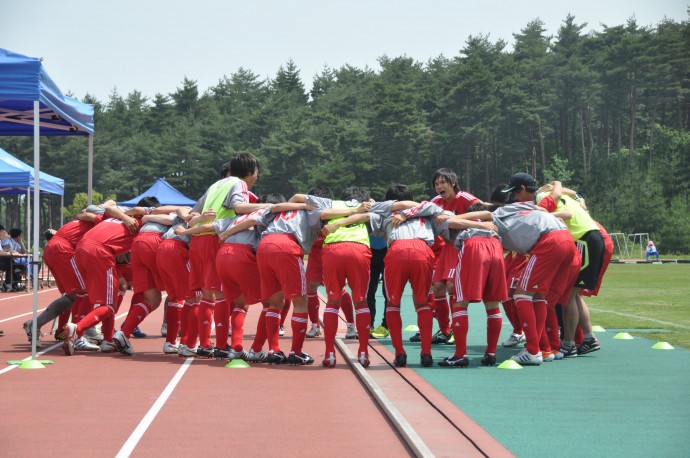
pixel 314 331
pixel 204 352
pixel 28 328
pixel 364 359
pixel 185 351
pixel 256 356
pixel 400 360
pixel 60 335
pixel 83 344
pixel 219 353
pixel 380 332
pixel 513 340
pixel 525 358
pixel 164 330
pixel 281 331
pixel 169 348
pixel 568 352
pixel 548 356
pixel 426 360
pixel 234 354
pixel 276 357
pixel 302 359
pixel 351 332
pixel 137 333
pixel 416 338
pixel 122 343
pixel 489 359
pixel 588 346
pixel 441 338
pixel 557 355
pixel 70 336
pixel 107 347
pixel 329 360
pixel 455 361
pixel 94 336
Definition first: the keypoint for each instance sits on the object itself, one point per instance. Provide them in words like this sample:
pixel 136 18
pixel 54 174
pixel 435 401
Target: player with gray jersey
pixel 553 258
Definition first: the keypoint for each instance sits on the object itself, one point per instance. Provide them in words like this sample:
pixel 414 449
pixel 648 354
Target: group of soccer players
pixel 232 250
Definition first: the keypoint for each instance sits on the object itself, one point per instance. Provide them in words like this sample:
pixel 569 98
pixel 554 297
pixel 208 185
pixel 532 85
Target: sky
pixel 95 47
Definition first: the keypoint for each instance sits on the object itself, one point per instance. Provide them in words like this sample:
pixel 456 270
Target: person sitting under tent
pixel 651 250
pixel 15 266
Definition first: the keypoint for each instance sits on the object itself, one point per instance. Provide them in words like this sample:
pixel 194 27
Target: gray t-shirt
pixel 521 225
pixel 247 237
pixel 170 233
pixel 419 224
pixel 238 194
pixel 304 225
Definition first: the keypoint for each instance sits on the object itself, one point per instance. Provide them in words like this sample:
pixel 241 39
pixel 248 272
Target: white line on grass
pixel 642 318
pixel 138 433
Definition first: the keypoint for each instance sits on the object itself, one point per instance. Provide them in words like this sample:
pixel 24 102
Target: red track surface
pixel 105 404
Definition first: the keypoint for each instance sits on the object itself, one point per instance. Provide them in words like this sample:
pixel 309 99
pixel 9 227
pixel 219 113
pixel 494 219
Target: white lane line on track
pixel 138 433
pixel 20 316
pixel 642 318
pixel 27 294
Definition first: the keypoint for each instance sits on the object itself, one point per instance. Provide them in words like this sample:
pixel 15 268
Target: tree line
pixel 606 112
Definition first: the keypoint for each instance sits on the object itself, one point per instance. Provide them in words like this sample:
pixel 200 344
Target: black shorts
pixel 591 248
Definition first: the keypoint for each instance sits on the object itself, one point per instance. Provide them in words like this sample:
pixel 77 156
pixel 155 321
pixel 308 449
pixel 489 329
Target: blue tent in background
pixel 17 177
pixel 166 194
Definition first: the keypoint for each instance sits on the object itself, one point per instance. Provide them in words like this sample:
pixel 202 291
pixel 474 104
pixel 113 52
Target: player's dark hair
pixel 225 170
pixel 149 201
pixel 481 207
pixel 355 193
pixel 497 195
pixel 399 192
pixel 321 190
pixel 48 234
pixel 243 165
pixel 15 232
pixel 272 199
pixel 448 175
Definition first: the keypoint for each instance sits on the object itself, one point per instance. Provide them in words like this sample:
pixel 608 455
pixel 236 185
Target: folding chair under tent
pixel 31 104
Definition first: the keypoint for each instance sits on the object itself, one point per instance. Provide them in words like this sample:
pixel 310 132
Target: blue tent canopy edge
pixel 16 177
pixel 164 192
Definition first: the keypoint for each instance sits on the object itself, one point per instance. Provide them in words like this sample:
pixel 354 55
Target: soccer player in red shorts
pixel 95 258
pixel 553 262
pixel 409 258
pixel 480 277
pixel 450 198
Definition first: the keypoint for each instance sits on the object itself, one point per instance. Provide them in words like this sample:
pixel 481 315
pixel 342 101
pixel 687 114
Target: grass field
pixel 647 300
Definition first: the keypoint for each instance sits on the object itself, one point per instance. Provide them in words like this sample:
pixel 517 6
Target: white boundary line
pixel 642 318
pixel 29 294
pixel 21 316
pixel 141 428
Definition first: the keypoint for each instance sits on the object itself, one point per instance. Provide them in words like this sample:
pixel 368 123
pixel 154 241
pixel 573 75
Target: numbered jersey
pixel 113 234
pixel 302 224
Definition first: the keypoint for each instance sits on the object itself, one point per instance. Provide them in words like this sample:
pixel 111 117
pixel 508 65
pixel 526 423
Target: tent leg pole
pixel 37 191
pixel 90 172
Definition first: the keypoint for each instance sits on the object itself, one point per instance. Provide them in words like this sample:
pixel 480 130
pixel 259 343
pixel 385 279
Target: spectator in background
pixel 12 245
pixel 651 250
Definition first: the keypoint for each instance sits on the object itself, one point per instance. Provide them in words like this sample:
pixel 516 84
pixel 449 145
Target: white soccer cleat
pixel 170 348
pixel 351 332
pixel 314 331
pixel 122 343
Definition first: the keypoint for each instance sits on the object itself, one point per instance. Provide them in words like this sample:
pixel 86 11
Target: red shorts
pixel 202 258
pixel 446 263
pixel 59 257
pixel 315 264
pixel 97 266
pixel 408 260
pixel 281 266
pixel 346 262
pixel 553 265
pixel 145 274
pixel 124 271
pixel 173 255
pixel 514 265
pixel 238 272
pixel 608 254
pixel 481 274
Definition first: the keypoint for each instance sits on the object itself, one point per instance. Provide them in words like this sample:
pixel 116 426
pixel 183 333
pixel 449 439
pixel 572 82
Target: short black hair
pixel 399 192
pixel 48 234
pixel 149 201
pixel 321 190
pixel 497 194
pixel 15 232
pixel 225 170
pixel 243 165
pixel 272 199
pixel 2 228
pixel 448 175
pixel 355 193
pixel 480 207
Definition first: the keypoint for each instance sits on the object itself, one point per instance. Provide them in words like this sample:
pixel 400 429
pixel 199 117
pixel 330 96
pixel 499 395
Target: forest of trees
pixel 606 112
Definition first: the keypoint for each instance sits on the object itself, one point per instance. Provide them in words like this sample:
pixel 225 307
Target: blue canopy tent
pixel 31 104
pixel 16 177
pixel 164 192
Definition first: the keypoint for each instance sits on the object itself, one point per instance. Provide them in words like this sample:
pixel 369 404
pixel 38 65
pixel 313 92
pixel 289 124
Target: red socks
pixel 363 323
pixel 346 306
pixel 442 313
pixel 394 322
pixel 260 336
pixel 221 315
pixel 526 313
pixel 173 318
pixel 425 323
pixel 97 315
pixel 313 304
pixel 460 327
pixel 330 326
pixel 511 313
pixel 272 328
pixel 137 313
pixel 205 322
pixel 494 321
pixel 299 324
pixel 237 320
